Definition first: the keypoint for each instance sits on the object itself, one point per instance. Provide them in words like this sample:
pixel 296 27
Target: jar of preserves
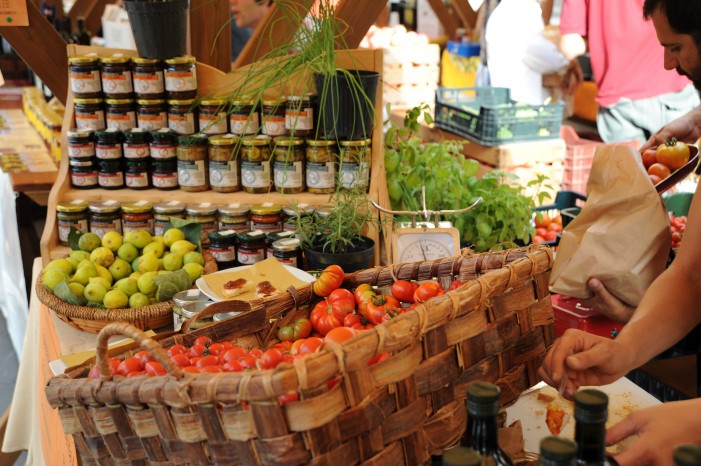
pixel 83 173
pixel 234 217
pixel 224 163
pixel 137 215
pixel 288 167
pixel 71 214
pixel 164 174
pixel 212 116
pixel 182 116
pixel 186 304
pixel 89 114
pixel 266 217
pixel 149 82
pixel 137 173
pixel 193 170
pixel 250 247
pixel 120 114
pixel 354 166
pixel 163 211
pixel 292 213
pixel 288 251
pixel 270 238
pixel 222 248
pixel 105 216
pixel 181 78
pixel 110 173
pixel 256 176
pixel 244 118
pixel 84 76
pixel 163 145
pixel 273 117
pixel 116 77
pixel 321 158
pixel 81 144
pixel 299 115
pixel 205 214
pixel 151 114
pixel 108 144
pixel 136 143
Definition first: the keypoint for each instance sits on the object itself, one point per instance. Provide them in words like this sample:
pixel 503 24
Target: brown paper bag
pixel 621 236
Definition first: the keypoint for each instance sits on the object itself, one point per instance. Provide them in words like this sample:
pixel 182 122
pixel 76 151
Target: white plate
pixel 204 288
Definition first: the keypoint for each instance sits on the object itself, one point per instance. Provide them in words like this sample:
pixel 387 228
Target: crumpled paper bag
pixel 621 236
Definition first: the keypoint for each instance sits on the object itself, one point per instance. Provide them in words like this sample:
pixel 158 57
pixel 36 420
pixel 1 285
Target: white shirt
pixel 518 54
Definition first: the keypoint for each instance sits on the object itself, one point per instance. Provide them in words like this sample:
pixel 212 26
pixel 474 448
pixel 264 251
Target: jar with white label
pixel 354 166
pixel 288 251
pixel 244 118
pixel 84 76
pixel 299 115
pixel 108 144
pixel 116 77
pixel 212 116
pixel 181 77
pixel 81 143
pixel 322 158
pixel 163 145
pixel 89 114
pixel 270 238
pixel 83 173
pixel 250 247
pixel 224 163
pixel 151 114
pixel 110 173
pixel 273 117
pixel 186 304
pixel 164 174
pixel 288 168
pixel 234 217
pixel 71 214
pixel 256 173
pixel 193 168
pixel 205 214
pixel 163 211
pixel 182 116
pixel 136 144
pixel 137 173
pixel 293 213
pixel 120 114
pixel 149 82
pixel 222 248
pixel 105 216
pixel 137 215
pixel 266 217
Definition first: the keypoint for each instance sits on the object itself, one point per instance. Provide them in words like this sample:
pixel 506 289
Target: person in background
pixel 239 37
pixel 670 307
pixel 636 95
pixel 249 13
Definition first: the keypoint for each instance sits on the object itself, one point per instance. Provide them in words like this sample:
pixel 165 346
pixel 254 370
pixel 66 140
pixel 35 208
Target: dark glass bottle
pixel 558 451
pixel 81 36
pixel 687 455
pixel 590 415
pixel 481 432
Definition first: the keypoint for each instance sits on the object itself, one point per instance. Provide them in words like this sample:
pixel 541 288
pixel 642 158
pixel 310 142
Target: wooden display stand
pixel 212 82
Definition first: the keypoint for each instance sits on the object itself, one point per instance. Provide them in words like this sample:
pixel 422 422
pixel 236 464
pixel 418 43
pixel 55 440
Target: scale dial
pixel 419 244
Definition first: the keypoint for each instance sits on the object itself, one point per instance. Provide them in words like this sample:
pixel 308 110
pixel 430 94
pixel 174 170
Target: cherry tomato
pixel 542 219
pixel 660 170
pixel 129 365
pixel 404 290
pixel 194 360
pixel 216 348
pixel 256 353
pixel 455 285
pixel 191 369
pixel 180 360
pixel 234 354
pixel 295 345
pixel 144 356
pixel 340 334
pixel 287 398
pixel 232 366
pixel 428 290
pixel 203 340
pixel 551 236
pixel 153 368
pixel 310 345
pixel 176 349
pixel 270 359
pixel 649 157
pixel 248 362
pixel 135 373
pixel 330 279
pixel 674 154
pixel 211 369
pixel 209 360
pixel 197 350
pixel 227 344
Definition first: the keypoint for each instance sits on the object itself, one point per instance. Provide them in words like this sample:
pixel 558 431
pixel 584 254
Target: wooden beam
pixel 210 33
pixel 43 49
pixel 444 16
pixel 465 12
pixel 359 15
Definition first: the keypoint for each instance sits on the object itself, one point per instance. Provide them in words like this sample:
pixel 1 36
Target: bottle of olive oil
pixel 590 415
pixel 557 451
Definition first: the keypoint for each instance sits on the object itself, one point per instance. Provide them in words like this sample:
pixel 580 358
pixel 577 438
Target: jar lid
pixel 260 140
pixel 287 244
pixel 251 236
pixel 276 235
pixel 274 102
pixel 164 134
pixel 302 209
pixel 145 61
pixel 111 134
pixel 80 163
pixel 324 211
pixel 180 60
pixel 224 316
pixel 355 143
pixel 197 139
pixel 83 59
pixel 192 308
pixel 223 236
pixel 79 133
pixel 205 208
pixel 115 59
pixel 150 101
pixel 87 101
pixel 119 101
pixel 298 98
pixel 214 102
pixel 182 102
pixel 136 134
pixel 288 141
pixel 137 207
pixel 105 207
pixel 234 209
pixel 223 140
pixel 321 142
pixel 243 101
pixel 170 207
pixel 77 205
pixel 267 208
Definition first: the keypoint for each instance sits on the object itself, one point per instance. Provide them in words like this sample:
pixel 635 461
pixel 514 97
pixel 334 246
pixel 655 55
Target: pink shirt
pixel 626 57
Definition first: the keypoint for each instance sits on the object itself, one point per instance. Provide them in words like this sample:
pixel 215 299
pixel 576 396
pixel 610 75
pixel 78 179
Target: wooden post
pixel 465 12
pixel 91 10
pixel 210 33
pixel 359 16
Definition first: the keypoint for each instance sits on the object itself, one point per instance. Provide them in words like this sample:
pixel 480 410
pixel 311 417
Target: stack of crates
pixel 410 75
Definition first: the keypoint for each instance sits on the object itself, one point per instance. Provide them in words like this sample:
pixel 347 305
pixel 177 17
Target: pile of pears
pixel 117 271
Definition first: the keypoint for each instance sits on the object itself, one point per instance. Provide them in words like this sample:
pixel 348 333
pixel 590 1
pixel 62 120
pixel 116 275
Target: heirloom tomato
pixel 363 294
pixel 340 334
pixel 342 301
pixel 330 279
pixel 310 345
pixel 382 307
pixel 403 290
pixel 428 290
pixel 357 322
pixel 324 318
pixel 673 153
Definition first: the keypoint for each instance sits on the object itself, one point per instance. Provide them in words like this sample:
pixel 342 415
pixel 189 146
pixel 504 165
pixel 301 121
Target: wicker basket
pixel 91 319
pixel 497 327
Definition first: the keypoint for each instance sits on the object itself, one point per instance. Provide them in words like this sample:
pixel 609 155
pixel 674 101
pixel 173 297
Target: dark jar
pixel 222 246
pixel 110 174
pixel 205 214
pixel 120 114
pixel 181 78
pixel 89 114
pixel 81 144
pixel 83 173
pixel 256 176
pixel 84 77
pixel 137 215
pixel 137 173
pixel 105 216
pixel 321 160
pixel 273 117
pixel 108 144
pixel 244 118
pixel 270 238
pixel 224 163
pixel 250 247
pixel 136 144
pixel 212 117
pixel 151 114
pixel 354 165
pixel 288 167
pixel 288 251
pixel 162 213
pixel 164 174
pixel 182 116
pixel 164 143
pixel 71 214
pixel 193 170
pixel 116 77
pixel 299 115
pixel 266 217
pixel 234 217
pixel 149 82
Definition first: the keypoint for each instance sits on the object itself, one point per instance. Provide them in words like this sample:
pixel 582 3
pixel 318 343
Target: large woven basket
pixel 497 327
pixel 91 319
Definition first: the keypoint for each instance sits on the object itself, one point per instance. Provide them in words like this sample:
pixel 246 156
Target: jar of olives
pixel 256 176
pixel 224 163
pixel 322 158
pixel 288 167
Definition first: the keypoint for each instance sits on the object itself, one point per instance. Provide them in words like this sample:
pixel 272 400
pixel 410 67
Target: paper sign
pixel 13 13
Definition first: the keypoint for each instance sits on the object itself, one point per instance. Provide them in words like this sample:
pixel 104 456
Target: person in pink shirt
pixel 636 96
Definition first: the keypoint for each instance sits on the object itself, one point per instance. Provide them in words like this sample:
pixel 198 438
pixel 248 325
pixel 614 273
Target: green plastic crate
pixel 488 116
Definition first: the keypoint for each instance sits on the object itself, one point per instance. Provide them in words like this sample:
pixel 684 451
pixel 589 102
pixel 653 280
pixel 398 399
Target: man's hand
pixel 686 128
pixel 607 304
pixel 572 78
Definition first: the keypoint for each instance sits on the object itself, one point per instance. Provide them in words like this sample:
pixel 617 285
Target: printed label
pixel 191 173
pixel 299 120
pixel 149 83
pixel 162 152
pixel 136 151
pixel 321 174
pixel 250 257
pixel 109 152
pixel 137 180
pixel 117 82
pixel 100 228
pixel 182 124
pixel 274 125
pixel 255 174
pixel 353 174
pixel 110 180
pixel 85 83
pixel 178 81
pixel 223 174
pixel 223 254
pixel 64 228
pixel 289 174
pixel 213 124
pixel 129 226
pixel 152 122
pixel 94 121
pixel 121 121
pixel 244 124
pixel 81 150
pixel 84 179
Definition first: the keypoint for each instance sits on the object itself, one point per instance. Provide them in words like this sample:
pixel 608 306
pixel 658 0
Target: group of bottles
pixel 80 36
pixel 479 444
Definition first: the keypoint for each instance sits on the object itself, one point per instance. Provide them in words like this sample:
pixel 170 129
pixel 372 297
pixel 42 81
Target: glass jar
pixel 105 216
pixel 137 215
pixel 181 77
pixel 151 114
pixel 193 171
pixel 182 116
pixel 321 166
pixel 205 214
pixel 244 118
pixel 120 114
pixel 288 251
pixel 164 174
pixel 186 304
pixel 222 248
pixel 71 214
pixel 266 217
pixel 299 115
pixel 116 77
pixel 234 217
pixel 110 173
pixel 109 144
pixel 354 166
pixel 224 163
pixel 291 212
pixel 273 117
pixel 81 144
pixel 270 238
pixel 84 76
pixel 250 247
pixel 148 78
pixel 137 173
pixel 288 167
pixel 163 211
pixel 256 176
pixel 83 173
pixel 89 114
pixel 136 144
pixel 212 117
pixel 163 145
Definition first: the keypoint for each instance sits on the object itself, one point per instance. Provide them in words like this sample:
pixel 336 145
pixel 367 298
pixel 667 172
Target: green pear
pixel 64 265
pixel 138 300
pixel 193 270
pixel 155 247
pixel 193 257
pixel 182 247
pixel 148 262
pixel 128 285
pixel 79 255
pixel 135 275
pixel 116 299
pixel 112 240
pixel 74 263
pixel 102 256
pixel 146 284
pixel 120 269
pixel 104 273
pixel 135 264
pixel 173 261
pixel 106 283
pixel 127 252
pixel 95 292
pixel 52 277
pixel 89 241
pixel 77 288
pixel 84 273
pixel 172 235
pixel 138 238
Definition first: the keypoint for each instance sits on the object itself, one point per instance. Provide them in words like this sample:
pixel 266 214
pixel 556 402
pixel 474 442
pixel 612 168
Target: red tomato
pixel 310 345
pixel 378 358
pixel 655 179
pixel 356 322
pixel 554 227
pixel 234 354
pixel 538 239
pixel 135 373
pixel 342 301
pixel 287 398
pixel 256 352
pixel 129 365
pixel 455 285
pixel 660 170
pixel 180 360
pixel 270 359
pixel 211 369
pixel 340 334
pixel 153 368
pixel 558 219
pixel 428 290
pixel 176 349
pixel 330 279
pixel 227 344
pixel 381 307
pixel 323 317
pixel 197 350
pixel 283 346
pixel 209 360
pixel 295 345
pixel 216 348
pixel 194 360
pixel 191 369
pixel 674 154
pixel 363 293
pixel 288 358
pixel 232 366
pixel 542 219
pixel 541 231
pixel 248 362
pixel 203 340
pixel 403 290
pixel 144 357
pixel 649 157
pixel 551 236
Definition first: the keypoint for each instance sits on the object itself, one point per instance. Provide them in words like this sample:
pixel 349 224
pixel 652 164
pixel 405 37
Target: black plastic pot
pixel 159 27
pixel 358 258
pixel 346 104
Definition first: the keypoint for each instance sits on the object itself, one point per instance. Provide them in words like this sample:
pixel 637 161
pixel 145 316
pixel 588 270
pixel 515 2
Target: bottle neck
pixel 481 434
pixel 591 443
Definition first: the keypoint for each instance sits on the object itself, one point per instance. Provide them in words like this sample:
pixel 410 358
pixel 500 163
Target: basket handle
pixel 143 340
pixel 220 307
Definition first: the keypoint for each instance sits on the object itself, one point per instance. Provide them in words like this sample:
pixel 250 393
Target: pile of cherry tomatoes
pixel 665 160
pixel 677 225
pixel 546 228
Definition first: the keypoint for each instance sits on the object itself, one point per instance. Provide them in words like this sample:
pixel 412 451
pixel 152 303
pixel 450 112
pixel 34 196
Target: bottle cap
pixel 554 450
pixel 590 406
pixel 483 399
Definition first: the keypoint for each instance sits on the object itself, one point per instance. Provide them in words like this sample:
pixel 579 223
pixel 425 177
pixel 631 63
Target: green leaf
pixel 63 291
pixel 73 236
pixel 191 229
